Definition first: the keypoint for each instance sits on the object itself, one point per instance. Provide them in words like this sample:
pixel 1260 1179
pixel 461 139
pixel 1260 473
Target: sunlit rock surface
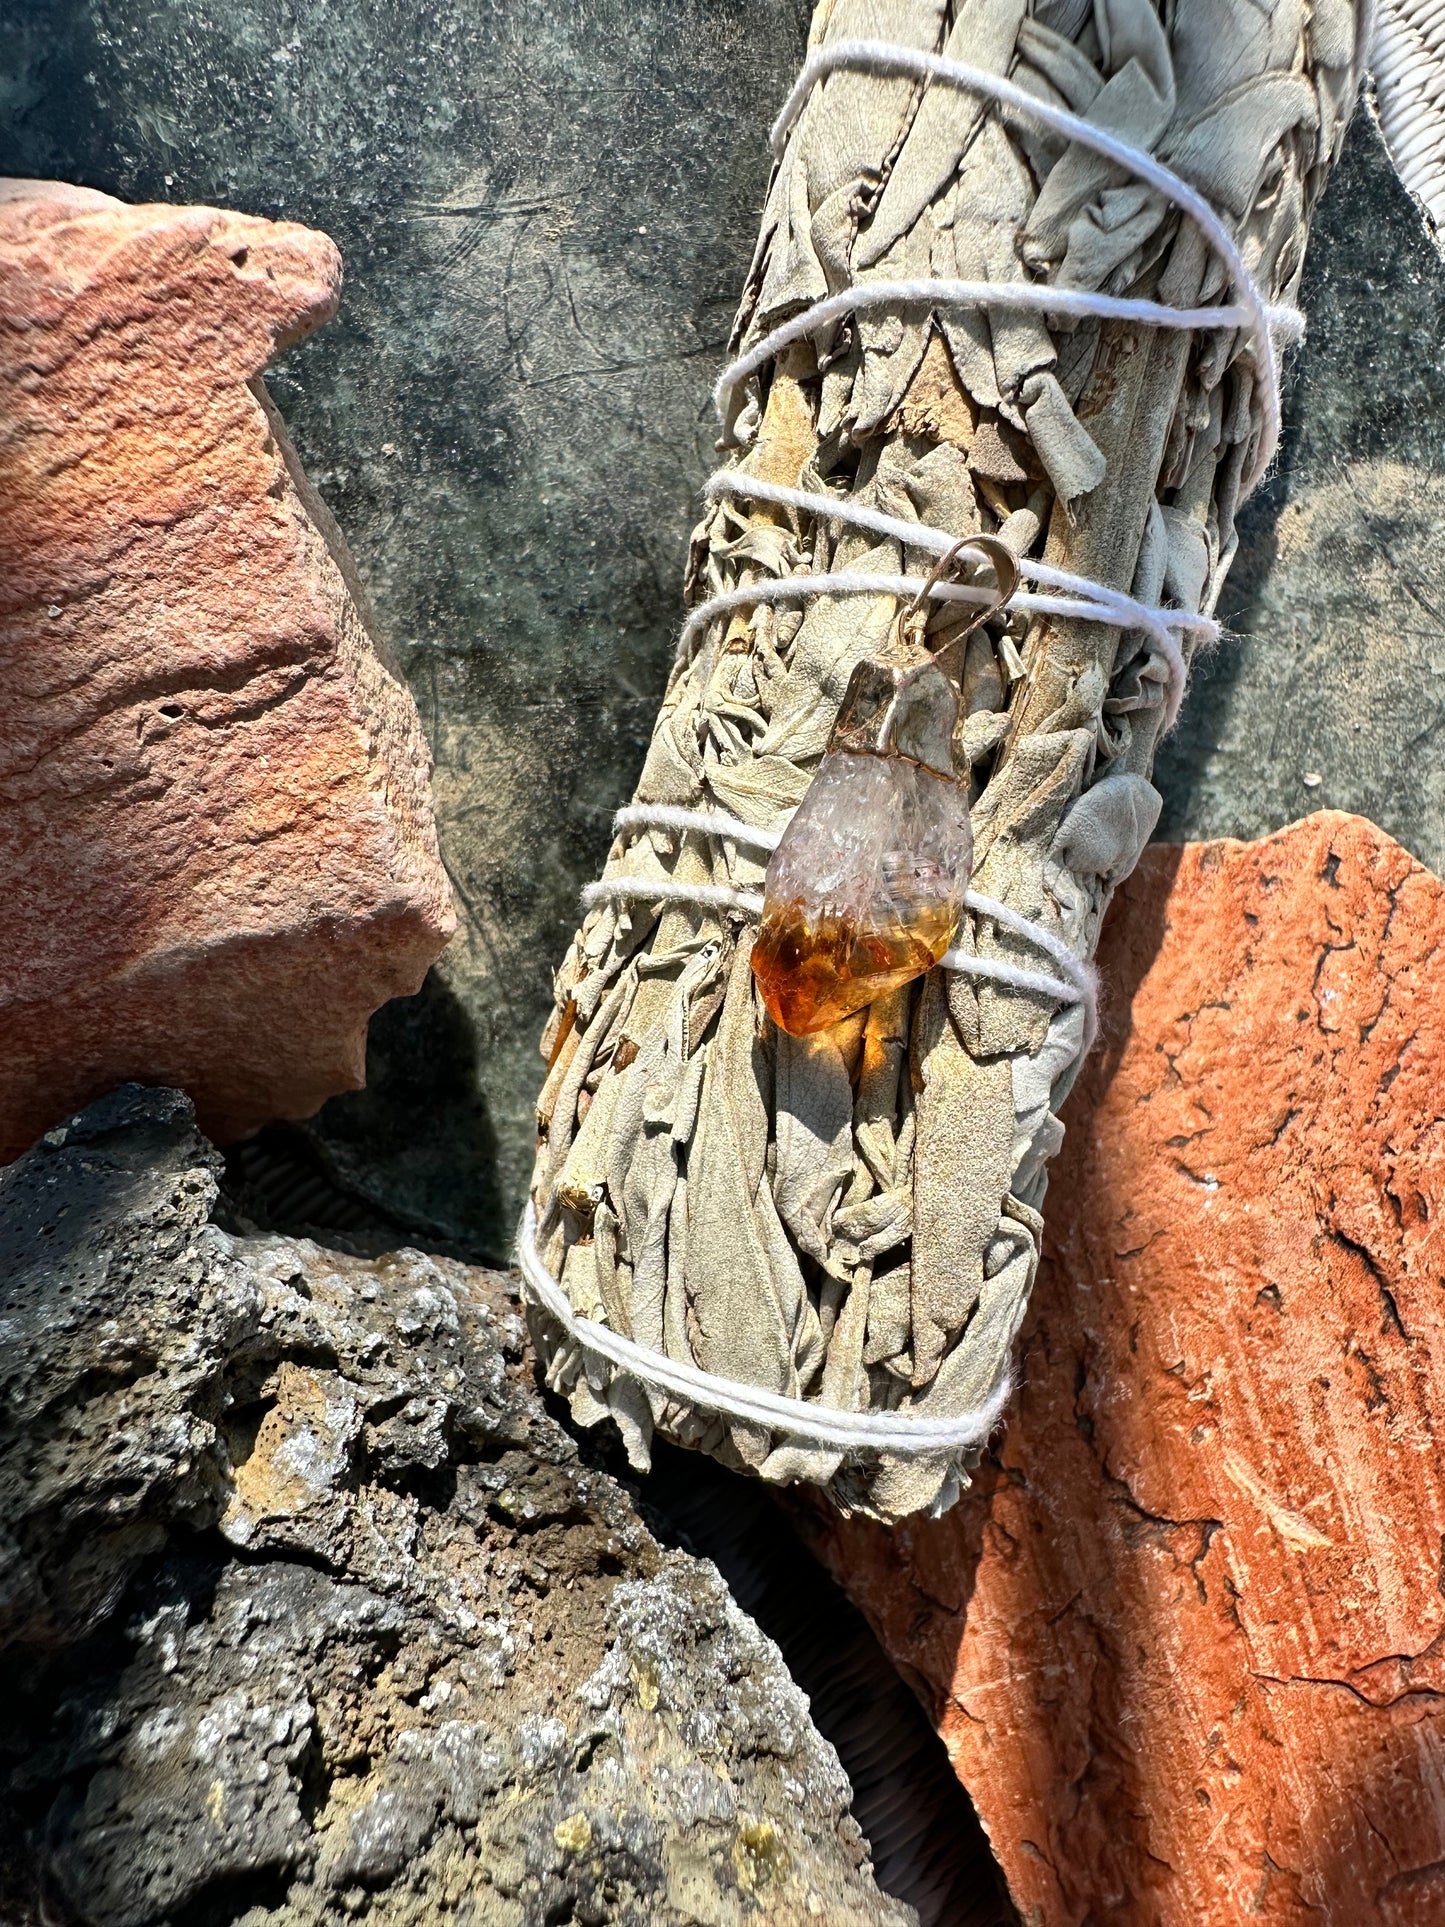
pixel 1329 692
pixel 217 848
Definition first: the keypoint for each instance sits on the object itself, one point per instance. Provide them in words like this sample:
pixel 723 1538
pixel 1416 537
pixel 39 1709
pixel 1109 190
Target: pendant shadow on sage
pixel 866 890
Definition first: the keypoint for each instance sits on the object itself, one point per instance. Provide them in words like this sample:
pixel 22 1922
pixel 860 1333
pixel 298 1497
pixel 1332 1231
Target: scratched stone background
pixel 546 214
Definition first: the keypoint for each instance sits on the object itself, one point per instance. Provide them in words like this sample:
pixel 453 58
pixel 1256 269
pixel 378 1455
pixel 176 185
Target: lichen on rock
pixel 318 1614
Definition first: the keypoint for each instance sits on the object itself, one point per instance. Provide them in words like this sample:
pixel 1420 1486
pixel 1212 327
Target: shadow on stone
pixel 928 1847
pixel 410 1160
pixel 1183 764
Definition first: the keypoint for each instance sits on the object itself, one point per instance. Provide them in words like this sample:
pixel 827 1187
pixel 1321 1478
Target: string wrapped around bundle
pixel 1006 364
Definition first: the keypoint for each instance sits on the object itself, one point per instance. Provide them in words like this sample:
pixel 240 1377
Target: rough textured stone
pixel 217 844
pixel 312 1612
pixel 1184 1637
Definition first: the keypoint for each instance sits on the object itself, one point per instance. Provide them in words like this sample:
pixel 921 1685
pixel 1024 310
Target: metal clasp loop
pixel 913 621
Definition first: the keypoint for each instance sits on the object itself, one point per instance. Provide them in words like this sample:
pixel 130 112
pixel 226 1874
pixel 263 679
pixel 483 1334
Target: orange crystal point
pixel 865 891
pixel 814 976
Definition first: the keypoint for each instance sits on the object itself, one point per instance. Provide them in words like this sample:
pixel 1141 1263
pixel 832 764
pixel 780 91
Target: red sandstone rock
pixel 217 853
pixel 1185 1639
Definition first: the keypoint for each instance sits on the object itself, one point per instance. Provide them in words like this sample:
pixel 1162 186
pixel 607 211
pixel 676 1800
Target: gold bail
pixel 913 620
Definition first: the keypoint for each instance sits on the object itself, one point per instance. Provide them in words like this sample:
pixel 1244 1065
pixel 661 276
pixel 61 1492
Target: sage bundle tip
pixel 1010 312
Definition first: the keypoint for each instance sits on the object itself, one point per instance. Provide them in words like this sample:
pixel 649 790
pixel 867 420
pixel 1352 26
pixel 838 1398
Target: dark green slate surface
pixel 1337 598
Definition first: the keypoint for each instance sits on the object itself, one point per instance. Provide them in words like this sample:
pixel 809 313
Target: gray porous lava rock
pixel 312 1613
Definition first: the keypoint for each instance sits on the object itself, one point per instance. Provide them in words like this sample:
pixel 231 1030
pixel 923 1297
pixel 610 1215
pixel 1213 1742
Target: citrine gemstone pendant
pixel 866 889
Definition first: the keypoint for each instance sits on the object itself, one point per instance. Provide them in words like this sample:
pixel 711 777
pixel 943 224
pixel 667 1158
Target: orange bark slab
pixel 217 851
pixel 1185 1638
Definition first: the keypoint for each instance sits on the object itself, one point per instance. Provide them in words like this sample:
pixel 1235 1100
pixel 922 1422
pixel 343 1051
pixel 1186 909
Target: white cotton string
pixel 801 588
pixel 668 816
pixel 878 57
pixel 804 587
pixel 1075 986
pixel 906 1434
pixel 1096 603
pixel 708 896
pixel 1080 975
pixel 1112 605
pixel 1064 303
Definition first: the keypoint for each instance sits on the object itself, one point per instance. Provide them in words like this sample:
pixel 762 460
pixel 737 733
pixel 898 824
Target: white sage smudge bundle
pixel 843 1225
